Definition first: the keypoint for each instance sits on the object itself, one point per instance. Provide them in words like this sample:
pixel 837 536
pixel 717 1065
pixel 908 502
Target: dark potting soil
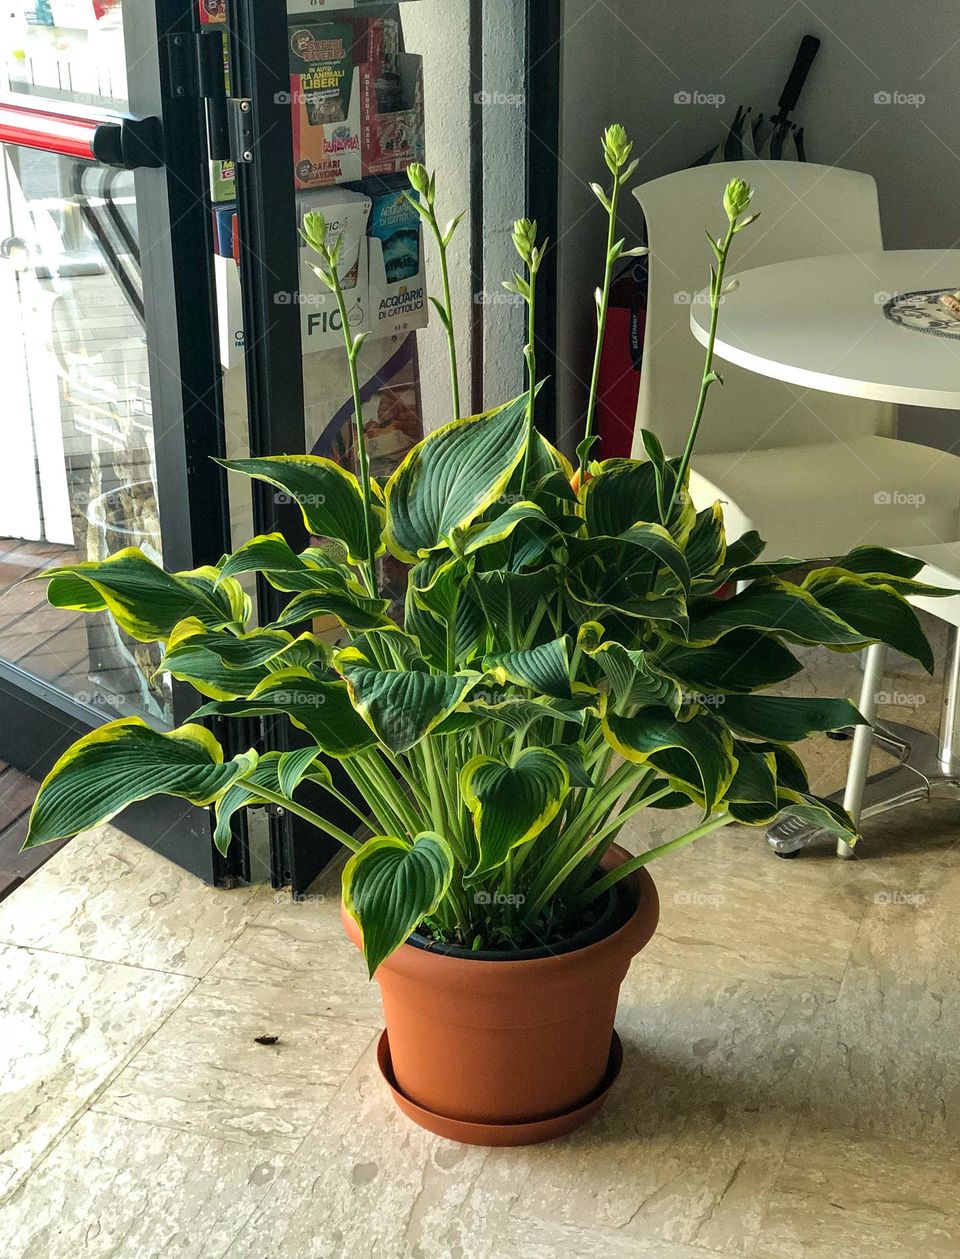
pixel 601 919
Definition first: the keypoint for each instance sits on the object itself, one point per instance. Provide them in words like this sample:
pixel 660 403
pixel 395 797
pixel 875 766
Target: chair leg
pixel 863 738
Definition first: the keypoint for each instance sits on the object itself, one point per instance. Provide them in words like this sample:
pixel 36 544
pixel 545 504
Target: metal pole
pixel 949 752
pixel 863 739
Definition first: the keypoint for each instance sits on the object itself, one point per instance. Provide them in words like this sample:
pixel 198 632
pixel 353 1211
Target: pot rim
pixel 444 970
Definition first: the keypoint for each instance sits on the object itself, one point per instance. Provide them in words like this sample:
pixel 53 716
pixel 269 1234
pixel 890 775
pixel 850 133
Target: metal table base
pixel 927 767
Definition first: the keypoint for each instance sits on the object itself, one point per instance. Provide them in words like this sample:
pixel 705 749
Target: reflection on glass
pixel 70 50
pixel 78 478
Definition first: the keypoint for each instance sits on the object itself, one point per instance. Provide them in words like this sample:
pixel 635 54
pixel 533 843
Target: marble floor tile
pixel 205 1072
pixel 715 1074
pixel 739 1043
pixel 300 947
pixel 656 1166
pixel 108 897
pixel 117 1189
pixel 366 1183
pixel 844 1193
pixel 67 1025
pixel 542 1239
pixel 730 908
pixel 891 1061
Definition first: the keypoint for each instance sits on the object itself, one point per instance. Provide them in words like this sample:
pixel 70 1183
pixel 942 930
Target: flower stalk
pixel 531 255
pixel 316 235
pixel 736 199
pixel 425 203
pixel 616 151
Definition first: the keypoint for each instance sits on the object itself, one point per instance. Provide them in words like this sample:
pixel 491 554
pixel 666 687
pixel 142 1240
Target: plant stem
pixel 601 325
pixel 716 288
pixel 274 797
pixel 363 460
pixel 530 354
pixel 629 867
pixel 448 310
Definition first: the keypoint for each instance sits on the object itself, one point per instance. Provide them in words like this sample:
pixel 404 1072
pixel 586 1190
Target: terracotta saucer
pixel 501 1134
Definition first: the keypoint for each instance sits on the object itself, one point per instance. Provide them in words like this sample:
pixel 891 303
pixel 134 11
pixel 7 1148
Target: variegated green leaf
pixel 323 709
pixel 511 804
pixel 401 708
pixel 545 668
pixel 752 795
pixel 786 718
pixel 145 600
pixel 225 666
pixel 633 682
pixel 776 607
pixel 329 496
pixel 356 612
pixel 278 774
pixel 451 478
pixel 696 754
pixel 287 571
pixel 504 525
pixel 742 660
pixel 876 611
pixel 123 762
pixel 819 812
pixel 390 887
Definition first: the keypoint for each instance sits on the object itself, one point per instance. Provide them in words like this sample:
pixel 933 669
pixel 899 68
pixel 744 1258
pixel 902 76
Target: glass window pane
pixel 78 480
pixel 70 50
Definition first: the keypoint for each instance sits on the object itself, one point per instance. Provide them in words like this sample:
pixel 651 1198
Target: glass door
pixel 113 396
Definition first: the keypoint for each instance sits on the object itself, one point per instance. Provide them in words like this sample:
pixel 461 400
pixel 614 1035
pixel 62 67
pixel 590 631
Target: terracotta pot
pixel 516 1050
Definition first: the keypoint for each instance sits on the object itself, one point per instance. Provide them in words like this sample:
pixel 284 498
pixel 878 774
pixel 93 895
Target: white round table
pixel 820 323
pixel 829 323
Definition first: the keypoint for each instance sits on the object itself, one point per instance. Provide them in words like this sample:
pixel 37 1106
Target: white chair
pixel 811 471
pixel 927 765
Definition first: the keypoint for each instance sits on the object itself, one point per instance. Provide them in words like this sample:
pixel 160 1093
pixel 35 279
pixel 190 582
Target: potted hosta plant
pixel 567 657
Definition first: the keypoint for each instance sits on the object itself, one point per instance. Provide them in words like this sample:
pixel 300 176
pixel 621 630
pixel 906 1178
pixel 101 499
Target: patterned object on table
pixel 923 311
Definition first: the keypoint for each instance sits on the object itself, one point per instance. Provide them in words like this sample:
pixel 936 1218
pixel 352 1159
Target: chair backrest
pixel 806 211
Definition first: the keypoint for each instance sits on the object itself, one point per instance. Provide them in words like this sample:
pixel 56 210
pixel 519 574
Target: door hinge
pixel 197 71
pixel 196 64
pixel 240 128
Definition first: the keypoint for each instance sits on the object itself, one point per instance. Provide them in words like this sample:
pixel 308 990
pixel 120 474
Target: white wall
pixel 440 31
pixel 624 60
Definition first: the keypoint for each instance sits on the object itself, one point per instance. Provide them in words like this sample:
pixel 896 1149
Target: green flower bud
pixel 616 147
pixel 419 179
pixel 315 230
pixel 736 198
pixel 525 239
